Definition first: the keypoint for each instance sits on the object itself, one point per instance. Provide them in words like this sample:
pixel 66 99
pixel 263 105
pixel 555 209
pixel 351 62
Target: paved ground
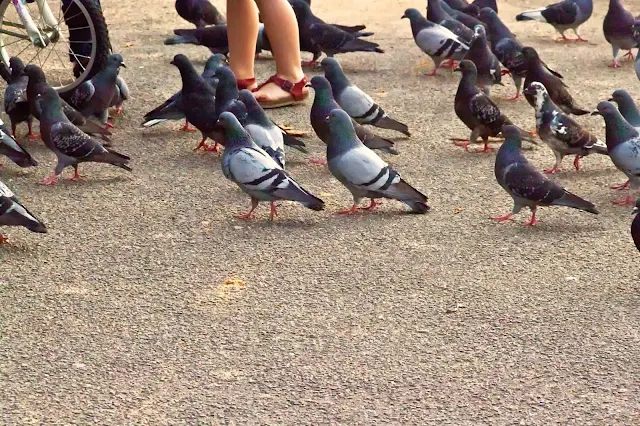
pixel 120 314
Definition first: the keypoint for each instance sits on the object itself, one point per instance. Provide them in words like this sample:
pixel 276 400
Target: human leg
pixel 242 31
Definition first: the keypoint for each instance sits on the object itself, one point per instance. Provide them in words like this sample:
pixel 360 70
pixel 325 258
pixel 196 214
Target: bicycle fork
pixel 40 40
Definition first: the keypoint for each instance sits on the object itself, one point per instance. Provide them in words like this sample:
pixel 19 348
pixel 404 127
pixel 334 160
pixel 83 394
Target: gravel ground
pixel 121 315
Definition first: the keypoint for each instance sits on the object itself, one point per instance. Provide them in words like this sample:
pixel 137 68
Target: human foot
pixel 278 92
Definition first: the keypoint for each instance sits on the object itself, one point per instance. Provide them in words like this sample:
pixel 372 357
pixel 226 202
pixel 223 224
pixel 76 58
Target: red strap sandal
pixel 245 83
pixel 297 91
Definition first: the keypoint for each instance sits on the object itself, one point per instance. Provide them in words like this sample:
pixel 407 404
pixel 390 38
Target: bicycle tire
pixel 103 43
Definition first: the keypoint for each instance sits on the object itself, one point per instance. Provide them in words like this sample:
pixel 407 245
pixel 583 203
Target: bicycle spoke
pixel 17 41
pixel 79 28
pixel 62 37
pixel 28 45
pixel 53 47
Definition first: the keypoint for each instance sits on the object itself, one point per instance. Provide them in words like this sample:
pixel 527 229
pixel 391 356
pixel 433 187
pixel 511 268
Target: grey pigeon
pixel 38 85
pixel 435 40
pixel 214 38
pixel 71 145
pixel 199 12
pixel 362 172
pixel 264 132
pixel 623 143
pixel 636 64
pixel 353 29
pixel 171 109
pixel 635 225
pixel 324 103
pixel 12 149
pixel 357 103
pixel 563 16
pixel 555 86
pixel 627 107
pixel 436 14
pixel 476 110
pixel 332 40
pixel 13 213
pixel 306 19
pixel 257 173
pixel 469 20
pixel 487 65
pixel 561 132
pixel 618 30
pixel 93 97
pixel 15 97
pixel 121 95
pixel 526 185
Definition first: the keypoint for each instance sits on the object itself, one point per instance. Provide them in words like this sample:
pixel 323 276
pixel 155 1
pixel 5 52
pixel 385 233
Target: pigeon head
pixel 412 14
pixel 620 96
pixel 539 92
pixel 341 126
pixel 181 60
pixel 321 87
pixel 472 10
pixel 627 106
pixel 116 61
pixel 479 32
pixel 487 15
pixel 227 86
pixel 233 130
pixel 215 61
pixel 253 108
pixel 34 73
pixel 618 129
pixel 468 69
pixel 226 76
pixel 301 9
pixel 333 72
pixel 49 103
pixel 17 66
pixel 512 135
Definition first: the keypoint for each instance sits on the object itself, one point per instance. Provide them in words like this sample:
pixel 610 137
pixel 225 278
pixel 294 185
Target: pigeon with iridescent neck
pixel 16 104
pixel 526 185
pixel 561 132
pixel 199 12
pixel 563 16
pixel 487 65
pixel 257 173
pixel 11 149
pixel 627 107
pixel 362 172
pixel 13 213
pixel 618 28
pixel 623 143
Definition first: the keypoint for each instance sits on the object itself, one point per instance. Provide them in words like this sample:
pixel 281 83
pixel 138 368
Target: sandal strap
pixel 296 89
pixel 244 83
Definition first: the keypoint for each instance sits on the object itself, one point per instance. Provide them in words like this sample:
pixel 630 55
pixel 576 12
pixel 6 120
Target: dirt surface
pixel 121 315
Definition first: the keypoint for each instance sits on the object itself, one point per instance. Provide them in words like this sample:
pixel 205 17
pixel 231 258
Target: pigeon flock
pixel 466 37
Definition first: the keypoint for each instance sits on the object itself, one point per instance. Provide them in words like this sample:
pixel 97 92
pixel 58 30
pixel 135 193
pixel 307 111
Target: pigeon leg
pixel 533 220
pixel 576 162
pixel 273 212
pixel 621 186
pixel 32 136
pixel 3 239
pixel 579 39
pixel 76 175
pixel 13 129
pixel 110 125
pixel 186 127
pixel 372 206
pixel 463 143
pixel 614 64
pixel 319 161
pixel 213 148
pixel 515 97
pixel 484 150
pixel 624 201
pixel 505 72
pixel 352 210
pixel 50 180
pixel 254 204
pixel 313 62
pixel 553 170
pixel 433 73
pixel 503 218
pixel 629 55
pixel 202 145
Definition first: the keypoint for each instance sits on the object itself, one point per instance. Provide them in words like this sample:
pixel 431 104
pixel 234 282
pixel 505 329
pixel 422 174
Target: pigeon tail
pixel 387 122
pixel 575 202
pixel 183 37
pixel 579 111
pixel 292 142
pixel 599 147
pixel 406 193
pixel 114 158
pixel 532 15
pixel 359 45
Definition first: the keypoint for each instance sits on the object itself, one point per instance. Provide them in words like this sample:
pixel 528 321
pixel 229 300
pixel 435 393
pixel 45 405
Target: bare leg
pixel 242 30
pixel 282 28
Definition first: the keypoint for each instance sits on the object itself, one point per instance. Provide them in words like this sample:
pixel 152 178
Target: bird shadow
pixel 544 227
pixel 92 181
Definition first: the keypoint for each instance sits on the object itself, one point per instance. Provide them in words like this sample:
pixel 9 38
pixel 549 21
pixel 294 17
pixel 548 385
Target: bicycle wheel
pixel 72 50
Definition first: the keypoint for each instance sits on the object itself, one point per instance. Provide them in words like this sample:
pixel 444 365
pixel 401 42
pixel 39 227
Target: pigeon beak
pixel 635 210
pixel 458 69
pixel 610 99
pixel 596 113
pixel 308 85
pixel 122 65
pixel 403 16
pixel 172 63
pixel 326 120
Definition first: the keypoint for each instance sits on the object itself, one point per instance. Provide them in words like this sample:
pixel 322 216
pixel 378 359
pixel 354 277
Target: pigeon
pixel 15 103
pixel 13 213
pixel 563 16
pixel 526 185
pixel 38 84
pixel 636 64
pixel 480 4
pixel 435 40
pixel 71 145
pixel 627 107
pixel 635 225
pixel 561 132
pixel 357 103
pixel 623 143
pixel 214 38
pixel 264 132
pixel 458 5
pixel 324 103
pixel 469 20
pixel 10 148
pixel 332 40
pixel 476 110
pixel 362 172
pixel 257 173
pixel 93 97
pixel 555 86
pixel 618 30
pixel 171 109
pixel 121 94
pixel 436 13
pixel 348 28
pixel 487 65
pixel 199 12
